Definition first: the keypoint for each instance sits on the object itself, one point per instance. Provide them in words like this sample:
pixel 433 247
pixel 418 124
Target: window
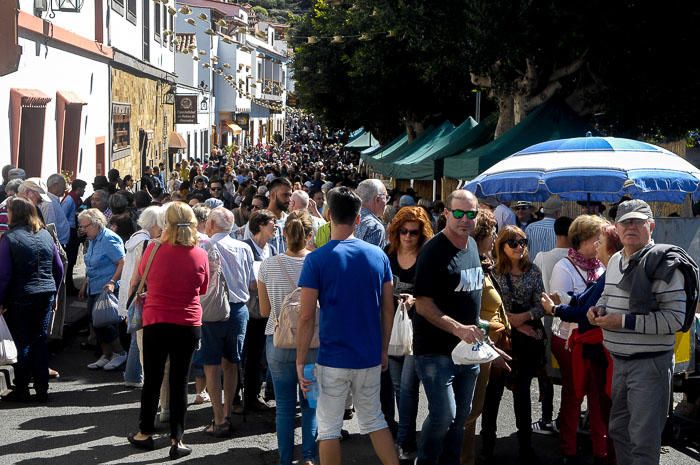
pixel 165 24
pixel 146 26
pixel 131 10
pixel 118 6
pixel 156 23
pixel 121 126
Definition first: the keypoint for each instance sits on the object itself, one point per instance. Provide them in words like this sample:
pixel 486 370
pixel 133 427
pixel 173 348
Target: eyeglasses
pixel 410 232
pixel 459 214
pixel 633 222
pixel 514 243
pixel 215 189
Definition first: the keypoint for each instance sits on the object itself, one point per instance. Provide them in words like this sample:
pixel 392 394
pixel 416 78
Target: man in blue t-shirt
pixel 352 282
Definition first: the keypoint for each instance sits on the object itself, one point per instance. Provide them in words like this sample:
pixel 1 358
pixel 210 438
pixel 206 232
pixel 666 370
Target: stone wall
pixel 148 113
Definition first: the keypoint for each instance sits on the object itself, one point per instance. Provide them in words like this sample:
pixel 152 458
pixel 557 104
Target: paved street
pixel 90 414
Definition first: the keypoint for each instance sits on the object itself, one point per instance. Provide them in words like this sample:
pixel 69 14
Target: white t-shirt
pixel 545 261
pixel 566 278
pixel 277 283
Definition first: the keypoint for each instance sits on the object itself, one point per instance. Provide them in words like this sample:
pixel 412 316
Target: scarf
pixel 592 266
pixel 76 199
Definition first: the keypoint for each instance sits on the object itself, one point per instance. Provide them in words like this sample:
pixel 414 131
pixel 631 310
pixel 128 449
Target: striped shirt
pixel 277 284
pixel 642 333
pixel 540 237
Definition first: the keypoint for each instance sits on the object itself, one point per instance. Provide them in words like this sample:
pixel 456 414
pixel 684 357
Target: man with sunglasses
pixel 642 307
pixel 217 191
pixel 449 281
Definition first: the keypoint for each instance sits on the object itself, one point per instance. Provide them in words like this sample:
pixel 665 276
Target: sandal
pixel 218 431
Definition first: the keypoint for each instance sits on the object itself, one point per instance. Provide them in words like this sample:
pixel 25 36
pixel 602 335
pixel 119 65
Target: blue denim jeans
pixel 449 389
pixel 282 363
pixel 133 373
pixel 406 386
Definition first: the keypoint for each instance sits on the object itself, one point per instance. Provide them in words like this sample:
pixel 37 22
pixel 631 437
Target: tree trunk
pixel 413 129
pixel 506 115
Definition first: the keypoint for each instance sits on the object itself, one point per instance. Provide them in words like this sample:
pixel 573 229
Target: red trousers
pixel 598 403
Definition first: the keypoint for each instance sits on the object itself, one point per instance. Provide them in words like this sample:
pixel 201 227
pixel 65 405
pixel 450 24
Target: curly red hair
pixel 406 215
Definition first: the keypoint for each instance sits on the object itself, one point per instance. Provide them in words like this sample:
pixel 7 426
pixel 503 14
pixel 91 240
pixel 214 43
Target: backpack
pixel 286 323
pixel 215 304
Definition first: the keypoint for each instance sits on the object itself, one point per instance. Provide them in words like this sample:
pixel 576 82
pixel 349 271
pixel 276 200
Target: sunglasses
pixel 459 214
pixel 215 189
pixel 255 207
pixel 513 243
pixel 410 232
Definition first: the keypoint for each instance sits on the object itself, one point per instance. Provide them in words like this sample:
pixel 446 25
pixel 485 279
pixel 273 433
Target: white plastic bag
pixel 401 342
pixel 8 350
pixel 105 311
pixel 473 354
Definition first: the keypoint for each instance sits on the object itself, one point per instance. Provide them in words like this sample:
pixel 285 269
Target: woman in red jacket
pixel 172 319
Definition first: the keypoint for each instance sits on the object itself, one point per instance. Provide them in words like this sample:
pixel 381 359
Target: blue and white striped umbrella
pixel 590 168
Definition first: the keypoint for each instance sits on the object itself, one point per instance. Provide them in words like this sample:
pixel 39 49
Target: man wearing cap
pixel 639 325
pixel 540 235
pixel 523 214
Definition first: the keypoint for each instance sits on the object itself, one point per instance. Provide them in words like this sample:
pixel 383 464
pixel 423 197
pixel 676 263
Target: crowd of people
pixel 285 257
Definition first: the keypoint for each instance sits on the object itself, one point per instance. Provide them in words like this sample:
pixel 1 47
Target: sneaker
pixel 540 427
pixel 201 398
pixel 405 454
pixel 100 363
pixel 115 361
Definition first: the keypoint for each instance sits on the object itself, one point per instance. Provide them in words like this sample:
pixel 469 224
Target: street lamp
pixel 204 105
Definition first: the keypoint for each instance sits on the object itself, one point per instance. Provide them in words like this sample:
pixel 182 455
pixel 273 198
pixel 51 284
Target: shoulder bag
pixel 287 322
pixel 134 303
pixel 215 304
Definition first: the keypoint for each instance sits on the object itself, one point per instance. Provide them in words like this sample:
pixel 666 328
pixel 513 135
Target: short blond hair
pixel 583 228
pixel 94 216
pixel 180 225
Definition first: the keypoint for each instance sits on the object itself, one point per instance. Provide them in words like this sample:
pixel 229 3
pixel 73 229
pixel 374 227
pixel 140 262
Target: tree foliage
pixel 627 64
pixel 406 70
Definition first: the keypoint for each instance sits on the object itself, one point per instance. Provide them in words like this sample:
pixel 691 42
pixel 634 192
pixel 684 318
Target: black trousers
pixel 253 350
pixel 527 363
pixel 160 341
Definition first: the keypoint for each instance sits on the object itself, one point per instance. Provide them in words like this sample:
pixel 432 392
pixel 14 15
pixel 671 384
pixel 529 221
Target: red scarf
pixel 592 266
pixel 76 199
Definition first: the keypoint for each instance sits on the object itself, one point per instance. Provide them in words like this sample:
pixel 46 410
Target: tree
pixel 610 58
pixel 400 65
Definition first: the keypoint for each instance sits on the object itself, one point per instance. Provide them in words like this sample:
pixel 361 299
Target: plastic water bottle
pixel 484 327
pixel 312 394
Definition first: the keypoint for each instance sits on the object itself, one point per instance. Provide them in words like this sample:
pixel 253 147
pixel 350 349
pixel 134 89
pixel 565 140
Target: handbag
pixel 286 323
pixel 105 311
pixel 134 303
pixel 401 341
pixel 215 304
pixel 8 350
